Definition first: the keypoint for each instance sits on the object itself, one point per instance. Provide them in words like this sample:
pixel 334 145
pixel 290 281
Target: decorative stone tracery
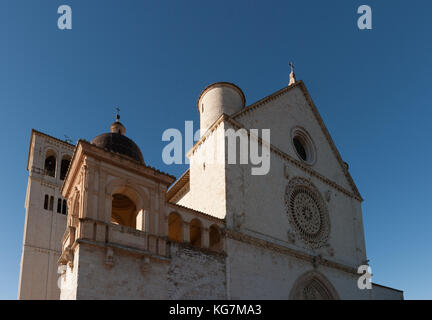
pixel 313 286
pixel 307 212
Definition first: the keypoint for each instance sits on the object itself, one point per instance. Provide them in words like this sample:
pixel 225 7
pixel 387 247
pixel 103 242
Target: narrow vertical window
pixel 46 202
pixel 64 166
pixel 51 203
pixel 59 205
pixel 64 209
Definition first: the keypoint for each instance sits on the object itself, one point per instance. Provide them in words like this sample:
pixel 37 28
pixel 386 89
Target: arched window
pixel 51 204
pixel 124 211
pixel 64 166
pixel 64 209
pixel 175 227
pixel 195 232
pixel 50 164
pixel 215 238
pixel 46 202
pixel 59 205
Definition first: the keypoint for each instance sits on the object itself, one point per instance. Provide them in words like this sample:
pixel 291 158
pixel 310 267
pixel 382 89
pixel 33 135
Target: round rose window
pixel 307 212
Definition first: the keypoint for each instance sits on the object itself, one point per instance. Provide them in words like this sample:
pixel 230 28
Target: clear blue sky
pixel 153 58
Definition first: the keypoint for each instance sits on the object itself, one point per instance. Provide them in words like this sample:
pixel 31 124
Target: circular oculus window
pixel 303 145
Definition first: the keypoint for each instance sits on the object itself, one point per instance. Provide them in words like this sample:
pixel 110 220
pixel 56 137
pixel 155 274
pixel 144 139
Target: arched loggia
pixel 123 211
pixel 195 231
pixel 175 224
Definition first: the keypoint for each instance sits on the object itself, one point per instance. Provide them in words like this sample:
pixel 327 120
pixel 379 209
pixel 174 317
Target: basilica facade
pixel 103 224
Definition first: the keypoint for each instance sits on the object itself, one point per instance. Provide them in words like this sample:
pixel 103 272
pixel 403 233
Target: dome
pixel 116 141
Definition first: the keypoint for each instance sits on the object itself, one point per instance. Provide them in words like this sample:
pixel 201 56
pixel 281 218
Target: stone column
pixel 142 220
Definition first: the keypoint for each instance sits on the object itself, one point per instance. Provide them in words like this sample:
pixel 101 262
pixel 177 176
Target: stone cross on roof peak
pixel 292 74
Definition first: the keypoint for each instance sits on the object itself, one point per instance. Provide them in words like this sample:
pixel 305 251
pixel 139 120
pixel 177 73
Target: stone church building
pixel 103 224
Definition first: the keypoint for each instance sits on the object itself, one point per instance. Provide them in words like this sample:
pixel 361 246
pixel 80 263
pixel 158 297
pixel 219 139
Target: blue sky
pixel 153 58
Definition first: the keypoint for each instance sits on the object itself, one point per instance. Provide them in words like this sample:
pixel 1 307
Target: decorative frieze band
pixel 314 260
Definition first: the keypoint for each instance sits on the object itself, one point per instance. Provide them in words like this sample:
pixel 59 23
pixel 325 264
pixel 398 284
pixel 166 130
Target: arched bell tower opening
pixel 50 163
pixel 124 211
pixel 64 166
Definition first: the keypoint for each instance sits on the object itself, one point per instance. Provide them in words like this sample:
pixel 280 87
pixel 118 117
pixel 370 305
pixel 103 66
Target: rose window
pixel 307 212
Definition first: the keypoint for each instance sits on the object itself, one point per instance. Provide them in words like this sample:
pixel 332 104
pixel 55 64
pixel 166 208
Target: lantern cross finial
pixel 118 114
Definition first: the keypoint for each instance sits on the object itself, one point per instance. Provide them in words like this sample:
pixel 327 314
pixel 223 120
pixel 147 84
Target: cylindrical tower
pixel 216 99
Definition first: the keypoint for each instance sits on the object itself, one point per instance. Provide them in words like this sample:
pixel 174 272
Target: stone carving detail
pixel 316 261
pixel 69 257
pixel 287 171
pixel 69 204
pixel 315 291
pixel 330 250
pixel 145 264
pixel 238 220
pixel 313 286
pixel 307 212
pixel 109 257
pixel 328 195
pixel 291 237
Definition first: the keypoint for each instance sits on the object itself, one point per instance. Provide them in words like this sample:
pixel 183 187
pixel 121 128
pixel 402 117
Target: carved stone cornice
pixel 85 149
pixel 313 259
pixel 129 250
pixel 177 185
pixel 177 207
pixel 48 138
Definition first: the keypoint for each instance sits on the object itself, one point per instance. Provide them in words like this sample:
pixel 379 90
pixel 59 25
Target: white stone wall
pixel 384 293
pixel 93 279
pixel 195 275
pixel 69 279
pixel 250 272
pixel 267 218
pixel 219 99
pixel 260 273
pixel 207 191
pixel 189 274
pixel 286 112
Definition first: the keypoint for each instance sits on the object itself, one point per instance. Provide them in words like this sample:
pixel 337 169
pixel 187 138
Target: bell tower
pixel 45 218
